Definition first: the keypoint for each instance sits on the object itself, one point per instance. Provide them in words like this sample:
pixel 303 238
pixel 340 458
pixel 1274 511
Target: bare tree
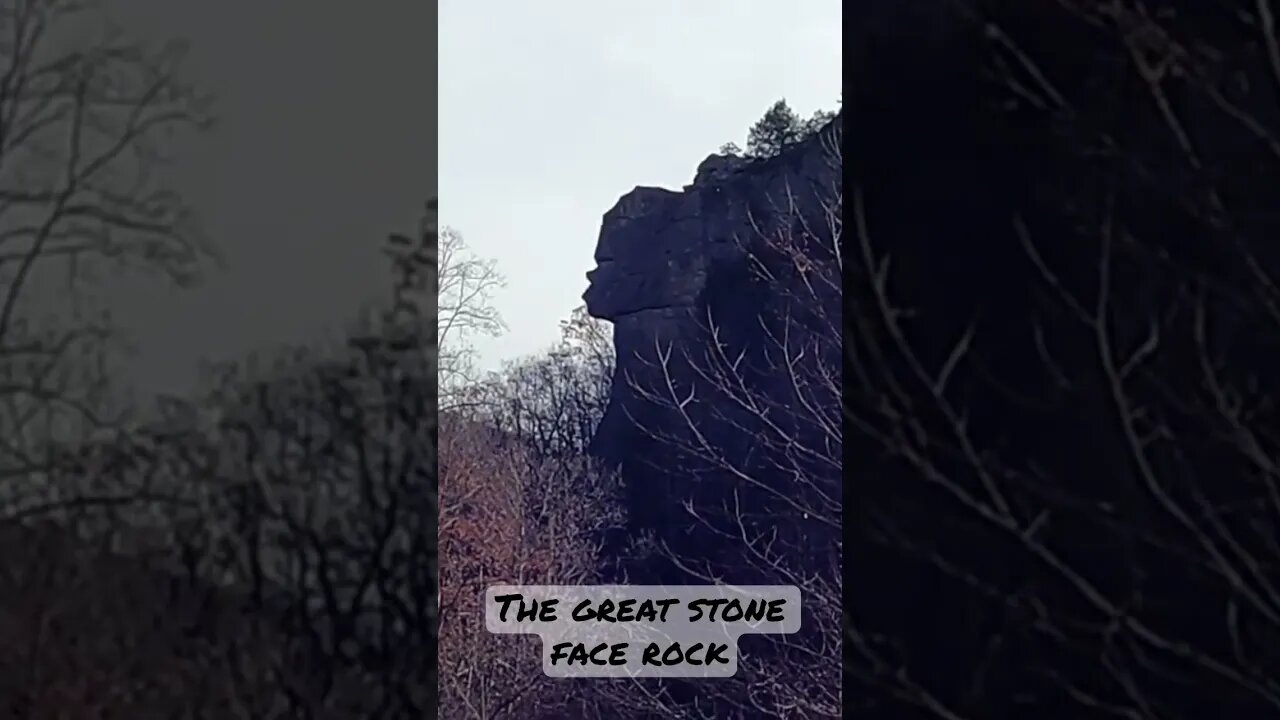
pixel 510 515
pixel 554 401
pixel 327 498
pixel 85 119
pixel 327 511
pixel 302 499
pixel 752 417
pixel 591 339
pixel 88 632
pixel 1076 453
pixel 466 286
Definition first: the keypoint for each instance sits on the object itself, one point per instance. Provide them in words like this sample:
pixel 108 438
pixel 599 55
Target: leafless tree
pixel 327 511
pixel 591 339
pixel 327 472
pixel 553 401
pixel 302 500
pixel 511 515
pixel 466 286
pixel 86 116
pixel 88 632
pixel 1126 564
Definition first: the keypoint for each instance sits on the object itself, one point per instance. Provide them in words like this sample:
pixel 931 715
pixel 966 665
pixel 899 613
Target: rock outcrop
pixel 676 267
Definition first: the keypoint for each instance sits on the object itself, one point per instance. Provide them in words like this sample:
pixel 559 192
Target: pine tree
pixel 778 129
pixel 820 118
pixel 730 148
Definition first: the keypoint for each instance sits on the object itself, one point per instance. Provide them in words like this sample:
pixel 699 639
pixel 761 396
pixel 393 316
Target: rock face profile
pixel 700 286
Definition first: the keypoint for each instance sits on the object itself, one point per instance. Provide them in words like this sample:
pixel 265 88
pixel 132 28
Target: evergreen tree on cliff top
pixel 778 129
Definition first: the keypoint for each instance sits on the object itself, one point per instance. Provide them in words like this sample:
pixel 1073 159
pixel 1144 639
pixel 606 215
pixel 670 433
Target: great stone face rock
pixel 666 262
pixel 656 245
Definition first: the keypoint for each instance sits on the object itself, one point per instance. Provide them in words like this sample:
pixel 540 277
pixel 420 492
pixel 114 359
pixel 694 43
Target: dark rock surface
pixel 671 264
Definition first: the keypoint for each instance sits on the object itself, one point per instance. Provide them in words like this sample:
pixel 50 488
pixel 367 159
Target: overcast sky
pixel 325 143
pixel 549 111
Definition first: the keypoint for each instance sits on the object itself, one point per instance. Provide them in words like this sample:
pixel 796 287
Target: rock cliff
pixel 700 284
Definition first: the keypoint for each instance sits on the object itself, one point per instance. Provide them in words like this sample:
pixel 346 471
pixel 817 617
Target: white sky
pixel 549 111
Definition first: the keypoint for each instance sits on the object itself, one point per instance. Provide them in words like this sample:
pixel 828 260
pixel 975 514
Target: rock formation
pixel 675 266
